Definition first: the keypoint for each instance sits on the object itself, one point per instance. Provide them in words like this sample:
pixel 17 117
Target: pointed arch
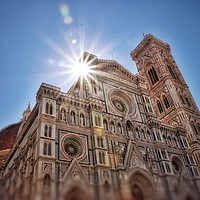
pixel 153 75
pixel 76 193
pixel 47 108
pixel 49 149
pixel 45 130
pixel 50 131
pixel 160 108
pixel 141 185
pixel 45 148
pixel 166 102
pixel 51 109
pixel 173 74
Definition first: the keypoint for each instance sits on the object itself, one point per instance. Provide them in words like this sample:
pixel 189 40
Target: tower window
pixel 51 109
pixel 47 108
pixel 171 72
pixel 45 130
pixel 153 75
pixel 167 105
pixel 188 102
pixel 181 97
pixel 160 108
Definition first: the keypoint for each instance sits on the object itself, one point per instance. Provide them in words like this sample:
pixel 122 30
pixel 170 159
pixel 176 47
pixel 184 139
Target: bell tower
pixel 171 98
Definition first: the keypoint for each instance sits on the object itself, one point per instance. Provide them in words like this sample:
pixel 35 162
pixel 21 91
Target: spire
pixel 27 112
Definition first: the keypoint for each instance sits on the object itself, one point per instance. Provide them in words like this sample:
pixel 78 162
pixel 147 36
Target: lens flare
pixel 64 10
pixel 68 20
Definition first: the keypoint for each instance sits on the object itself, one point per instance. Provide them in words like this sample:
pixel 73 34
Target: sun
pixel 80 69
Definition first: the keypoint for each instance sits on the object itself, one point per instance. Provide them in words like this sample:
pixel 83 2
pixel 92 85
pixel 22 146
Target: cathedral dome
pixel 8 136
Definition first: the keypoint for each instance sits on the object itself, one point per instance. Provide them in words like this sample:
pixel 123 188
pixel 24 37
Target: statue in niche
pixel 82 120
pixel 112 127
pixel 119 129
pixel 73 117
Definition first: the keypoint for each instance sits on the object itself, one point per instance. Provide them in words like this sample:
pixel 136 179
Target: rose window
pixel 119 105
pixel 73 146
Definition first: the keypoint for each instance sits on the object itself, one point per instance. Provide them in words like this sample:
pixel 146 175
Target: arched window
pixel 99 120
pixel 100 158
pixel 160 108
pixel 103 158
pixel 45 149
pixel 105 125
pixel 49 149
pixel 51 109
pixel 45 130
pixel 166 102
pixel 171 72
pixel 50 131
pixel 188 101
pixel 182 100
pixel 153 75
pixel 47 108
pixel 100 141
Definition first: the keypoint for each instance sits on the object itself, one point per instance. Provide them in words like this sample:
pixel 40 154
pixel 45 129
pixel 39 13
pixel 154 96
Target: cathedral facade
pixel 113 136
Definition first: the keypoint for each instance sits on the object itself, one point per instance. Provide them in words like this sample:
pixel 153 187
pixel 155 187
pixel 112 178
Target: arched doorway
pixel 140 187
pixel 76 193
pixel 136 193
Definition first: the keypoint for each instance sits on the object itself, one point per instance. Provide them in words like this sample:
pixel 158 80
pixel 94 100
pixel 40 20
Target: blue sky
pixel 36 35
